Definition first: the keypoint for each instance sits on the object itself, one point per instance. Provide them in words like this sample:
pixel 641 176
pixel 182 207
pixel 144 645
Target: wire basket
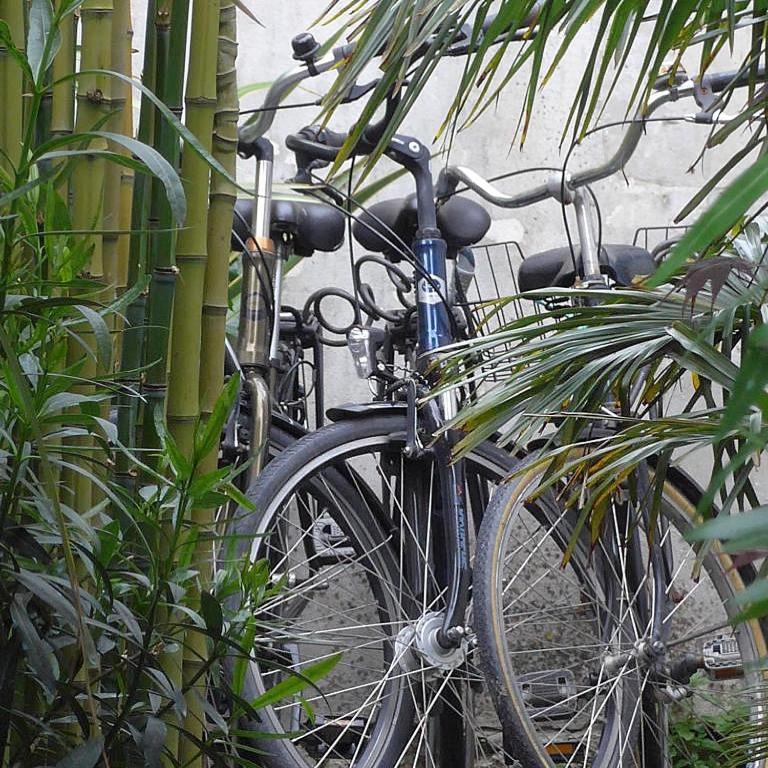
pixel 495 278
pixel 659 239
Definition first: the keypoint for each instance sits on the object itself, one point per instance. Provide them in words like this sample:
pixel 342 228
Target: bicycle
pixel 653 631
pixel 367 522
pixel 368 496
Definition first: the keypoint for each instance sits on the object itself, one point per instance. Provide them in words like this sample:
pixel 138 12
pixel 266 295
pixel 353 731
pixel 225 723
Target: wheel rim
pixel 404 681
pixel 652 727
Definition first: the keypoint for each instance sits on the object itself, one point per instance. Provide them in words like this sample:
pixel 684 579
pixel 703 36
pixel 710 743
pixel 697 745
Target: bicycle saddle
pixel 555 268
pixel 389 226
pixel 314 225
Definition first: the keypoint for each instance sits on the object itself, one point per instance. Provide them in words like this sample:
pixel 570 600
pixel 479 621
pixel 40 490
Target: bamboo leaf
pixel 160 167
pixel 296 682
pixel 40 51
pixel 189 138
pixel 101 333
pixel 148 156
pixel 247 90
pixel 39 655
pixel 84 756
pixel 749 387
pixel 40 587
pixel 745 524
pixel 153 741
pixel 7 39
pixel 207 438
pixel 210 608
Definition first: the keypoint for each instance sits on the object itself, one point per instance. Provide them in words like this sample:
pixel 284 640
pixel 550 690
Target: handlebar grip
pixel 308 149
pixel 719 81
pixel 260 148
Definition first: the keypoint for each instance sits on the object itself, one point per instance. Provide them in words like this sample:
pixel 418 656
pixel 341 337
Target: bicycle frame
pixel 434 330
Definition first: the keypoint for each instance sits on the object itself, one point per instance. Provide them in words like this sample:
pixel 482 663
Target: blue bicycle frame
pixel 434 330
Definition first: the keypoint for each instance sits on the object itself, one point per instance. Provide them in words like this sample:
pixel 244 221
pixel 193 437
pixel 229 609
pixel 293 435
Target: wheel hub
pixel 418 642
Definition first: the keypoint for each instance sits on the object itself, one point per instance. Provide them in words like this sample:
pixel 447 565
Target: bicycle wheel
pixel 346 521
pixel 599 688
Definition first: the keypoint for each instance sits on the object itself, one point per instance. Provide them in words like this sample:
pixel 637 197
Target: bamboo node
pixel 95 96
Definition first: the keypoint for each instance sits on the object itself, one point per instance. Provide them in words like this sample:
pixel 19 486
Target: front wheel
pixel 641 670
pixel 346 524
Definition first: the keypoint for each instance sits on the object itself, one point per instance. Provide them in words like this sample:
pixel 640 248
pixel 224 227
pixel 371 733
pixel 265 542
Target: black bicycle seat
pixel 314 225
pixel 389 226
pixel 555 268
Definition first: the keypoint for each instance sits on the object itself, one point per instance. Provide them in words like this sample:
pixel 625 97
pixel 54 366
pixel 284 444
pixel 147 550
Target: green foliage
pixel 705 733
pixel 555 373
pixel 98 590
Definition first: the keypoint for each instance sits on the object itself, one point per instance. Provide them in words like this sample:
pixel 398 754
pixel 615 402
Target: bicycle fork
pixel 435 331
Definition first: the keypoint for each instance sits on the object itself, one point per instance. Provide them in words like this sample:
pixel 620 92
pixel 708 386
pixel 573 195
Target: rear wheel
pixel 600 687
pixel 345 523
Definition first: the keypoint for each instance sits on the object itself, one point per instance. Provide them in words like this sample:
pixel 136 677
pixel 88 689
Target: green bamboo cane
pixel 214 311
pixel 123 38
pixel 121 62
pixel 183 408
pixel 87 183
pixel 132 351
pixel 183 390
pixel 11 86
pixel 172 49
pixel 63 91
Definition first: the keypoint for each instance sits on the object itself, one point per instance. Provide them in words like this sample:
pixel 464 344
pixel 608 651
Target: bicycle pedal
pixel 550 692
pixel 329 539
pixel 722 658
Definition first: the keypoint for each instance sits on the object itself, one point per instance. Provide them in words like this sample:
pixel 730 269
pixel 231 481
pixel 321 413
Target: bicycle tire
pixel 625 743
pixel 333 450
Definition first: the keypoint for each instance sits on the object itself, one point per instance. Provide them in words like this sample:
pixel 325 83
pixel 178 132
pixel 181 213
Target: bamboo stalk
pixel 87 184
pixel 171 52
pixel 214 311
pixel 63 91
pixel 183 406
pixel 11 86
pixel 132 347
pixel 123 34
pixel 121 62
pixel 183 388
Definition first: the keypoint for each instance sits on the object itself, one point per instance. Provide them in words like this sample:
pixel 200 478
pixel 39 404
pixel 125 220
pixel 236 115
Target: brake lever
pixel 358 91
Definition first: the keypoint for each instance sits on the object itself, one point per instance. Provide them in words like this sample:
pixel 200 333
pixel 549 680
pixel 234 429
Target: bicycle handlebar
pixel 260 123
pixel 561 185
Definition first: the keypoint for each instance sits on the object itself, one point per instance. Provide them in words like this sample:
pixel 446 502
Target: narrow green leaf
pixel 40 19
pixel 718 219
pixel 84 756
pixel 749 387
pixel 296 682
pixel 17 55
pixel 39 656
pixel 210 608
pixel 755 521
pixel 153 741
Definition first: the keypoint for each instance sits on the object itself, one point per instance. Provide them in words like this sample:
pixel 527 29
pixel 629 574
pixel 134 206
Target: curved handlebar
pixel 561 185
pixel 261 122
pixel 258 124
pixel 719 81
